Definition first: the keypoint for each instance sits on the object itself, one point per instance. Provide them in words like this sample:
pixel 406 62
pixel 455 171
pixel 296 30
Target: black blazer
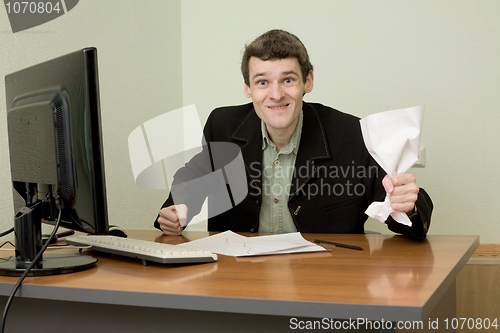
pixel 335 177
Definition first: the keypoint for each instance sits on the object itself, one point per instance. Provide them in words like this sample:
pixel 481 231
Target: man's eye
pixel 261 82
pixel 289 80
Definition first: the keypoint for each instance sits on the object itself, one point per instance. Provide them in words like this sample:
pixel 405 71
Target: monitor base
pixel 51 264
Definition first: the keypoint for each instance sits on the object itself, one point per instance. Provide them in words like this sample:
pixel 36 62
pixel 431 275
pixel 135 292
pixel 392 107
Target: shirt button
pixel 257 202
pixel 277 162
pixel 276 200
pixel 252 229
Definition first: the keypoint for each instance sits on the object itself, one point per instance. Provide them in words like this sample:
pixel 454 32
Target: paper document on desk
pixel 231 244
pixel 393 140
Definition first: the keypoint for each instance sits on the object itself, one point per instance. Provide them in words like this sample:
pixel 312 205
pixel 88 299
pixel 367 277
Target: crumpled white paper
pixel 393 140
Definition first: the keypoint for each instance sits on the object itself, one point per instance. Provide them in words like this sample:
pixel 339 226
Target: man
pixel 307 167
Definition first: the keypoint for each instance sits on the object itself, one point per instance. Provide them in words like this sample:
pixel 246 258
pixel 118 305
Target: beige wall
pixel 139 53
pixel 369 56
pixel 372 56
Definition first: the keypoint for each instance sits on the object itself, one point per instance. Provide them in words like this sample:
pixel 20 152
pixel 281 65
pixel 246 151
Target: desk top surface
pixel 391 272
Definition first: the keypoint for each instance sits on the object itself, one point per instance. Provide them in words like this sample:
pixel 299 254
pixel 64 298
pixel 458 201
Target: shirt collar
pixel 292 146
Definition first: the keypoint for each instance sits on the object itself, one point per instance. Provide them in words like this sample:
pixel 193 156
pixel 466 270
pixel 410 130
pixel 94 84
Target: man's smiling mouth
pixel 278 107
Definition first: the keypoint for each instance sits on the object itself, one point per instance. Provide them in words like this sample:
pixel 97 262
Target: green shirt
pixel 277 173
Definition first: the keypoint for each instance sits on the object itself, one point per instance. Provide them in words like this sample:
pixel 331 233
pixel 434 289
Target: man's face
pixel 276 88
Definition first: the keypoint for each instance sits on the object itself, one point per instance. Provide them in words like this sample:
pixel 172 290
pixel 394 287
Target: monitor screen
pixel 55 144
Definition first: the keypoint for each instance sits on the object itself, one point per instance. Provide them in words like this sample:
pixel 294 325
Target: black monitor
pixel 56 157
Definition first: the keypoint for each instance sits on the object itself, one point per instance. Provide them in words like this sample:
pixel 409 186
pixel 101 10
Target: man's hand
pixel 172 219
pixel 403 191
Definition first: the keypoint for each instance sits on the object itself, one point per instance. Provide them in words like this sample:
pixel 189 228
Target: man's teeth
pixel 279 107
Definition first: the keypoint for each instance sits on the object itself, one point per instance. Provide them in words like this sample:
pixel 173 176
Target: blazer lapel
pixel 249 137
pixel 313 146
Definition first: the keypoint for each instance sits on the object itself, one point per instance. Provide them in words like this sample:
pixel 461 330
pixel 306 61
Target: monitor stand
pixel 28 239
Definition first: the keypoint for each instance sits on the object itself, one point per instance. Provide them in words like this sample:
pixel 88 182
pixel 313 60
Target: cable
pixel 27 270
pixel 6 232
pixel 5 243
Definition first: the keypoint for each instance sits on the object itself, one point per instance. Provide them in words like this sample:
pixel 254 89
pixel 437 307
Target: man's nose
pixel 276 92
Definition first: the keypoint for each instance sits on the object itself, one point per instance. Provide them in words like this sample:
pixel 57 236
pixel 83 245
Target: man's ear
pixel 308 86
pixel 246 90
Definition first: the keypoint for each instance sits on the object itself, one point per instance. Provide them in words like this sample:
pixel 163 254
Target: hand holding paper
pixel 393 140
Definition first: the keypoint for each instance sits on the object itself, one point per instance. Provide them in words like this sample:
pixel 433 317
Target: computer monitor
pixel 56 157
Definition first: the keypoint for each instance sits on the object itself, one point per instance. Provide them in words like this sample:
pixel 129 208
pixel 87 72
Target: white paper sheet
pixel 393 140
pixel 231 244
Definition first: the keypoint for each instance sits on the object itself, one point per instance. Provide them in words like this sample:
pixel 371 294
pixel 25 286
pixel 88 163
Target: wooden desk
pixel 393 279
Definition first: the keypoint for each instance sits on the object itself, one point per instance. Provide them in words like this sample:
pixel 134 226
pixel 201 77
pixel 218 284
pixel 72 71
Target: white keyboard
pixel 144 250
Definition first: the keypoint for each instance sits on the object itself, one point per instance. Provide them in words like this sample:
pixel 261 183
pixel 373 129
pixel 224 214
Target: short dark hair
pixel 273 45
